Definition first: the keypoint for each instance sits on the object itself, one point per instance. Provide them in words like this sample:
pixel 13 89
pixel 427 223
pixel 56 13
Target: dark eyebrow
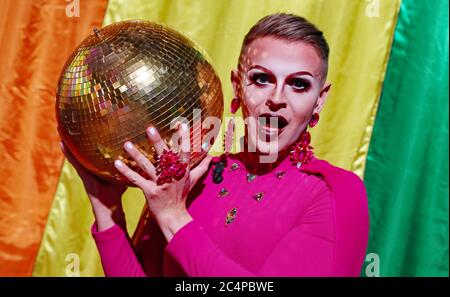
pixel 270 72
pixel 302 73
pixel 260 68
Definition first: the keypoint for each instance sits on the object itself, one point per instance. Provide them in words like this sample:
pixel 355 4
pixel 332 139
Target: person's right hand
pixel 105 197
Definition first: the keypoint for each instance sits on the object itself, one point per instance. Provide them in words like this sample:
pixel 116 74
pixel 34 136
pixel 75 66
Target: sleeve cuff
pixel 197 254
pixel 187 247
pixel 111 233
pixel 184 236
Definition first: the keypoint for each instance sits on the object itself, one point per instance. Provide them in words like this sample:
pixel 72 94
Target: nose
pixel 276 101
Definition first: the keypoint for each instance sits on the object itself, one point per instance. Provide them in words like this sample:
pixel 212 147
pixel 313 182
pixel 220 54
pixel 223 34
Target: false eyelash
pixel 307 85
pixel 255 76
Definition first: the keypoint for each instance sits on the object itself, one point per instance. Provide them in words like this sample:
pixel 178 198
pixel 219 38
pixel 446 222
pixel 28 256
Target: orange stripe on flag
pixel 36 39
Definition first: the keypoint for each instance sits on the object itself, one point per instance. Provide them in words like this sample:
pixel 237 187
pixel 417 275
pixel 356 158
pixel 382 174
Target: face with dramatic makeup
pixel 280 85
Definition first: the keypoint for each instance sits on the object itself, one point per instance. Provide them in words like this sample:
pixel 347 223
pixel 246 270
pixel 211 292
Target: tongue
pixel 266 122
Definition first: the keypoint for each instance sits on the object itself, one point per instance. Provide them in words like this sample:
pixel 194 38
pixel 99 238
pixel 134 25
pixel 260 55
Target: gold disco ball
pixel 126 77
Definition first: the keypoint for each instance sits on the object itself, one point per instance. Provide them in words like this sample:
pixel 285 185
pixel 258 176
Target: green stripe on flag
pixel 407 165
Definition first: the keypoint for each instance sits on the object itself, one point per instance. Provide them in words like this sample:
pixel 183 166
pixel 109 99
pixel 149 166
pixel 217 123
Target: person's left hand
pixel 166 202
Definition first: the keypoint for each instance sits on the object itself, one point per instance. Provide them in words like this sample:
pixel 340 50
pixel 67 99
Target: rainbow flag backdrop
pixel 386 119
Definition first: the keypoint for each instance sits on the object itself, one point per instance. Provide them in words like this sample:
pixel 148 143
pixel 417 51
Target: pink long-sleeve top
pixel 311 221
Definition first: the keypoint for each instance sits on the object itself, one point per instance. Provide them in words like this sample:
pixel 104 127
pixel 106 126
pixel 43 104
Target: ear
pixel 235 81
pixel 322 98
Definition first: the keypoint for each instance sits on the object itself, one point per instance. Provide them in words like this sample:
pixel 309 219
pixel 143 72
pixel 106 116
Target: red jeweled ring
pixel 169 165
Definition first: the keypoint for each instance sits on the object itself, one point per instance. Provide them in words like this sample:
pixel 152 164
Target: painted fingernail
pixel 118 164
pixel 128 145
pixel 152 131
pixel 184 127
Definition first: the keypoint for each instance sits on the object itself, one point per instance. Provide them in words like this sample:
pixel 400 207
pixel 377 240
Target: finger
pixel 132 176
pixel 142 161
pixel 72 160
pixel 199 170
pixel 184 148
pixel 156 140
pixel 69 156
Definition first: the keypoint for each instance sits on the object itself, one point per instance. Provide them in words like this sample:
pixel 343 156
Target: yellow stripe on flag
pixel 359 34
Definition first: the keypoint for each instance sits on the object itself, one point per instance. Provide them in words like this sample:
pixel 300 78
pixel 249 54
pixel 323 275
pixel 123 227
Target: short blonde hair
pixel 289 27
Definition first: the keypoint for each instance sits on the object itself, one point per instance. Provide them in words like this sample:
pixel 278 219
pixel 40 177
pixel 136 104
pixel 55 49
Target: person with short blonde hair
pixel 237 215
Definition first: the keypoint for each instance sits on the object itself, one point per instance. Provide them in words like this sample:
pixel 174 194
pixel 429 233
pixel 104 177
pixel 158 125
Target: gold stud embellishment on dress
pixel 259 196
pixel 231 215
pixel 250 177
pixel 223 192
pixel 280 174
pixel 234 166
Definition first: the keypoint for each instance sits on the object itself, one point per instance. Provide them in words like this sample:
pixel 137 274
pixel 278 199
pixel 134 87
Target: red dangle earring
pixel 228 143
pixel 235 105
pixel 302 151
pixel 314 120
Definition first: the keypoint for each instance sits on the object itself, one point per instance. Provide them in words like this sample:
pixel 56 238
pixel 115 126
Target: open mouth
pixel 271 124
